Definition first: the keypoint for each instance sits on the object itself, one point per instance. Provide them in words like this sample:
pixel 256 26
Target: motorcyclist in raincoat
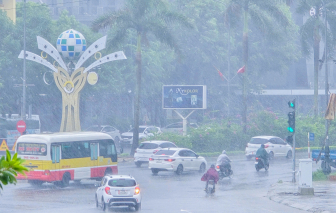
pixel 211 174
pixel 224 160
pixel 262 153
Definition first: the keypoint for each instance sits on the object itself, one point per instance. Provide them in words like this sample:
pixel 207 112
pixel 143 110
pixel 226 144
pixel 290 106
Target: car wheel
pixel 179 169
pixel 103 205
pixel 266 167
pixel 137 207
pixel 155 171
pixel 65 180
pixel 289 154
pixel 138 164
pixel 202 168
pixel 271 155
pixel 97 204
pixel 257 168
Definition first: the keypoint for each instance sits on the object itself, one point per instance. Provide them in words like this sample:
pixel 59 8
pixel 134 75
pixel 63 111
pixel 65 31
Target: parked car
pixel 148 148
pixel 110 130
pixel 118 190
pixel 274 146
pixel 178 127
pixel 144 132
pixel 177 160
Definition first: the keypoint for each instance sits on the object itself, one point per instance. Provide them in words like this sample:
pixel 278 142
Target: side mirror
pixel 197 156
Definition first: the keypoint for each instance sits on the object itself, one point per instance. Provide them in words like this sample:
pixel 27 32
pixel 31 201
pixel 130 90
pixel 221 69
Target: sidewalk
pixel 322 202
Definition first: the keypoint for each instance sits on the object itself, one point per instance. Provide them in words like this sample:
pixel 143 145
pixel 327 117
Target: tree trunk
pixel 137 96
pixel 316 69
pixel 245 58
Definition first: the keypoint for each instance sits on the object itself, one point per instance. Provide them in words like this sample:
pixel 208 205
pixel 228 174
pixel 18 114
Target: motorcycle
pixel 224 171
pixel 259 164
pixel 210 188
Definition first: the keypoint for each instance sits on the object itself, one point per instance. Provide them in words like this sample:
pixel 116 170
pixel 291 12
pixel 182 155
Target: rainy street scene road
pixel 165 192
pixel 164 106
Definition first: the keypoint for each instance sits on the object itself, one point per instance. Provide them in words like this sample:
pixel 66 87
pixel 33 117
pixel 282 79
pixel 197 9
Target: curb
pixel 285 197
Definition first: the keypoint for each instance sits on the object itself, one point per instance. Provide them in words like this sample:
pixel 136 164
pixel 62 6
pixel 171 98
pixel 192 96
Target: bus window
pixel 94 151
pixel 75 150
pixel 55 154
pixel 107 149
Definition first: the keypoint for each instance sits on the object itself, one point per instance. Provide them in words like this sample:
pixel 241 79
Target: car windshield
pixel 165 152
pixel 258 141
pixel 94 129
pixel 148 146
pixel 141 130
pixel 122 182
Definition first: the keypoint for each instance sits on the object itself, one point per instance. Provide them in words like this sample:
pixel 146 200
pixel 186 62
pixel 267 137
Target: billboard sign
pixel 184 97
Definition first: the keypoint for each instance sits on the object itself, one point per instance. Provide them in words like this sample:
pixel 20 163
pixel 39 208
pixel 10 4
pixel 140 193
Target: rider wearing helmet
pixel 211 174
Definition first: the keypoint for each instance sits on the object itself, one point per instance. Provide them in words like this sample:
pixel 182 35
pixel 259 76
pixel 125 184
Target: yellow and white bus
pixel 61 157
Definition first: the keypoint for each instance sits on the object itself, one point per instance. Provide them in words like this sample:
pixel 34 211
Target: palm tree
pixel 313 29
pixel 142 17
pixel 262 14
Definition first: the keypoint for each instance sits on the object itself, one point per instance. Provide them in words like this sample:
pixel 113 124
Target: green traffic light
pixel 291 104
pixel 290 129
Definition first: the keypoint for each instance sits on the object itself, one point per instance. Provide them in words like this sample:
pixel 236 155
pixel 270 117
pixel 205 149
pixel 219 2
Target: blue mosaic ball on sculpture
pixel 71 44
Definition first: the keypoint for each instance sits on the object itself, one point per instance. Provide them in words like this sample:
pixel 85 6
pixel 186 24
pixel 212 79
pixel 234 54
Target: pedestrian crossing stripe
pixel 3 146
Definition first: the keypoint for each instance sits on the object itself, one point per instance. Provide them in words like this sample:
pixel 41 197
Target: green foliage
pixel 319 175
pixel 9 167
pixel 215 136
pixel 179 140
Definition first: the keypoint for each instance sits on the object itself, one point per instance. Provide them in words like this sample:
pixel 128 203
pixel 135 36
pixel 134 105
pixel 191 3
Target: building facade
pixel 10 7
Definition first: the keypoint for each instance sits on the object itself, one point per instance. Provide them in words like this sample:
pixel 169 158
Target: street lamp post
pixel 23 116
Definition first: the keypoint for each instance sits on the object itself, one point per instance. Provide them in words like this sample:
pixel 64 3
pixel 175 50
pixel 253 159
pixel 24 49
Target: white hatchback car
pixel 118 191
pixel 274 146
pixel 177 160
pixel 148 148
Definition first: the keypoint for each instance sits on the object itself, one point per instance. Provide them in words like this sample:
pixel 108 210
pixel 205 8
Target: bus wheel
pixel 65 180
pixel 108 171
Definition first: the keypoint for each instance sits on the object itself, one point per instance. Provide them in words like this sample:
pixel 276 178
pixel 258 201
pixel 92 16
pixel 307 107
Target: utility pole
pixel 326 72
pixel 23 116
pixel 229 54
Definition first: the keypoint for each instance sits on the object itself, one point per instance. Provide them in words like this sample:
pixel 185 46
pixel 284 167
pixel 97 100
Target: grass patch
pixel 319 175
pixel 124 155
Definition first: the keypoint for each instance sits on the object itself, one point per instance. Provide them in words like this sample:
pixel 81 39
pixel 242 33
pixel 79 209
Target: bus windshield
pixel 32 149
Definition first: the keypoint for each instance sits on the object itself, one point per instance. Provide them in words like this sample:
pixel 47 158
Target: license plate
pixel 122 192
pixel 255 162
pixel 158 161
pixel 252 153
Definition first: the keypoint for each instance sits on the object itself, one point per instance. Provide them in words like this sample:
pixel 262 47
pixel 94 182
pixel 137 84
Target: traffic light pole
pixel 293 180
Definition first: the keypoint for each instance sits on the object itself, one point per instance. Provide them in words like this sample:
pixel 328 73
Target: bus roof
pixel 63 137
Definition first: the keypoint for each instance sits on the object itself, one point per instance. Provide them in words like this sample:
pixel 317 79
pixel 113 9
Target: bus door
pixel 55 158
pixel 94 155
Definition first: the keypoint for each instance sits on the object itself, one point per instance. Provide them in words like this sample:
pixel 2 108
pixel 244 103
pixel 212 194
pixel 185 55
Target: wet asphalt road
pixel 164 193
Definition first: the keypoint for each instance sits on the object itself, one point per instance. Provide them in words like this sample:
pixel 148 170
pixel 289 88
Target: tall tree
pixel 313 29
pixel 263 13
pixel 144 17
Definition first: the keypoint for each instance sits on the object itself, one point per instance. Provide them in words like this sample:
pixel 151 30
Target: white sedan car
pixel 177 160
pixel 274 146
pixel 118 190
pixel 148 148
